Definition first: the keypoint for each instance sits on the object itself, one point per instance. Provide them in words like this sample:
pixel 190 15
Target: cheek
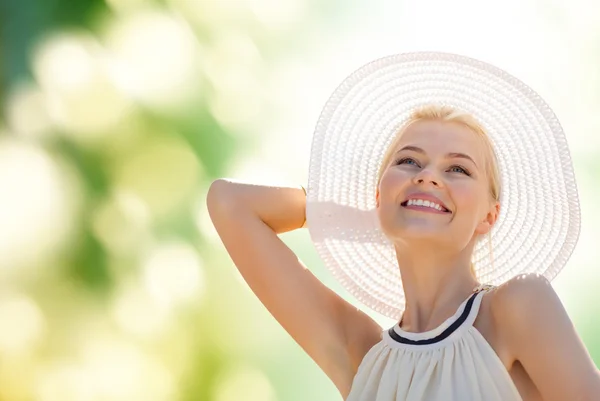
pixel 391 181
pixel 468 198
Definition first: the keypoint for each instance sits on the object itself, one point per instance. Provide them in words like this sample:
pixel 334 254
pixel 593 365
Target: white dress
pixel 453 362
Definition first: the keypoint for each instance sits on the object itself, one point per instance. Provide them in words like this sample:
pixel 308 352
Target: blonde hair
pixel 451 115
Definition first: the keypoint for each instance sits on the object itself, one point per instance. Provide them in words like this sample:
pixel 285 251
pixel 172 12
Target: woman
pixel 441 194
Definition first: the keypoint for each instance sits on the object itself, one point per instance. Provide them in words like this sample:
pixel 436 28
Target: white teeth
pixel 425 203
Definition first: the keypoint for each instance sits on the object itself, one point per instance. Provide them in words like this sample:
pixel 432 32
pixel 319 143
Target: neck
pixel 435 283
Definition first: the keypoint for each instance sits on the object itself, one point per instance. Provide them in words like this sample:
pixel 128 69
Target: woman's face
pixel 436 186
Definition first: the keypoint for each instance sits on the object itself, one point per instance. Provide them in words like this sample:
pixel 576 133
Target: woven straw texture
pixel 539 222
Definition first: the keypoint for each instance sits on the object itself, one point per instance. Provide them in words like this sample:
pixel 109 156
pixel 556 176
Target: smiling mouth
pixel 421 204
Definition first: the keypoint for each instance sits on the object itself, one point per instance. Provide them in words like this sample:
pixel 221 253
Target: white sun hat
pixel 539 222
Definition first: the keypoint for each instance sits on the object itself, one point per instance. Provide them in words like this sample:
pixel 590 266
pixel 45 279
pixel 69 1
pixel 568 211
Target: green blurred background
pixel 117 115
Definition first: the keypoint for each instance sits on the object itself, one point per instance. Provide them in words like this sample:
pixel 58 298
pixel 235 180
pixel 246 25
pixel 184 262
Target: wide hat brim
pixel 539 222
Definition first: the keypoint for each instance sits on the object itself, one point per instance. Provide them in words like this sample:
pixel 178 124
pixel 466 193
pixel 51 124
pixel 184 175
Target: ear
pixel 377 197
pixel 485 226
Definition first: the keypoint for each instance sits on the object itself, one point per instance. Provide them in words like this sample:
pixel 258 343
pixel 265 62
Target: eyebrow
pixel 449 155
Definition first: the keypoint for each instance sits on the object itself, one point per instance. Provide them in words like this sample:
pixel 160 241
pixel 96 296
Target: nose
pixel 426 176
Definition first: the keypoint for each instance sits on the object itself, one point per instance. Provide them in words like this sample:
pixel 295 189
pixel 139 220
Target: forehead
pixel 442 137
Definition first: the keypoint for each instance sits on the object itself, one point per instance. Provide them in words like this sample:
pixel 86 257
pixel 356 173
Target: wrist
pixel 305 194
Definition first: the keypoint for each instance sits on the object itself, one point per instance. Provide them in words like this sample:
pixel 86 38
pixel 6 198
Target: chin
pixel 423 235
pixel 423 232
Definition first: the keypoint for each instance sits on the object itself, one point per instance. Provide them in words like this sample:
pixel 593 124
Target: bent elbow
pixel 219 196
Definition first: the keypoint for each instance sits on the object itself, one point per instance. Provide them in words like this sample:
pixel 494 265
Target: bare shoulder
pixel 536 331
pixel 525 291
pixel 516 304
pixel 498 306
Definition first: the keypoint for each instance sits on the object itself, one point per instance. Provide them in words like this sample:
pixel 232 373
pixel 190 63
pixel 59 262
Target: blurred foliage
pixel 117 116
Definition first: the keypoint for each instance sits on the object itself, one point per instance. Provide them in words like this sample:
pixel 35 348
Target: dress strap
pixel 479 292
pixel 465 315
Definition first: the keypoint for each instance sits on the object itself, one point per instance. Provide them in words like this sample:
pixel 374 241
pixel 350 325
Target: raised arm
pixel 248 218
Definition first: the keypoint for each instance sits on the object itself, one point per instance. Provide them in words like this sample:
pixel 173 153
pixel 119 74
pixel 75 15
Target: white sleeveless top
pixel 453 362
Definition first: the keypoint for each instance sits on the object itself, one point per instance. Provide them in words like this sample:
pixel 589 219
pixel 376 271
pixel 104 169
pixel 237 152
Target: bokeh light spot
pixel 23 325
pixel 38 205
pixel 158 57
pixel 173 274
pixel 245 383
pixel 138 314
pixel 162 173
pixel 27 112
pixel 76 75
pixel 121 223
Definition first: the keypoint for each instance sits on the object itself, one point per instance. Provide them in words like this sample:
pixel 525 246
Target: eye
pixel 406 160
pixel 459 169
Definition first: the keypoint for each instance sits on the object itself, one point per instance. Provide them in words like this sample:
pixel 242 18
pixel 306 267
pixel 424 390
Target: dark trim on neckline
pixel 443 335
